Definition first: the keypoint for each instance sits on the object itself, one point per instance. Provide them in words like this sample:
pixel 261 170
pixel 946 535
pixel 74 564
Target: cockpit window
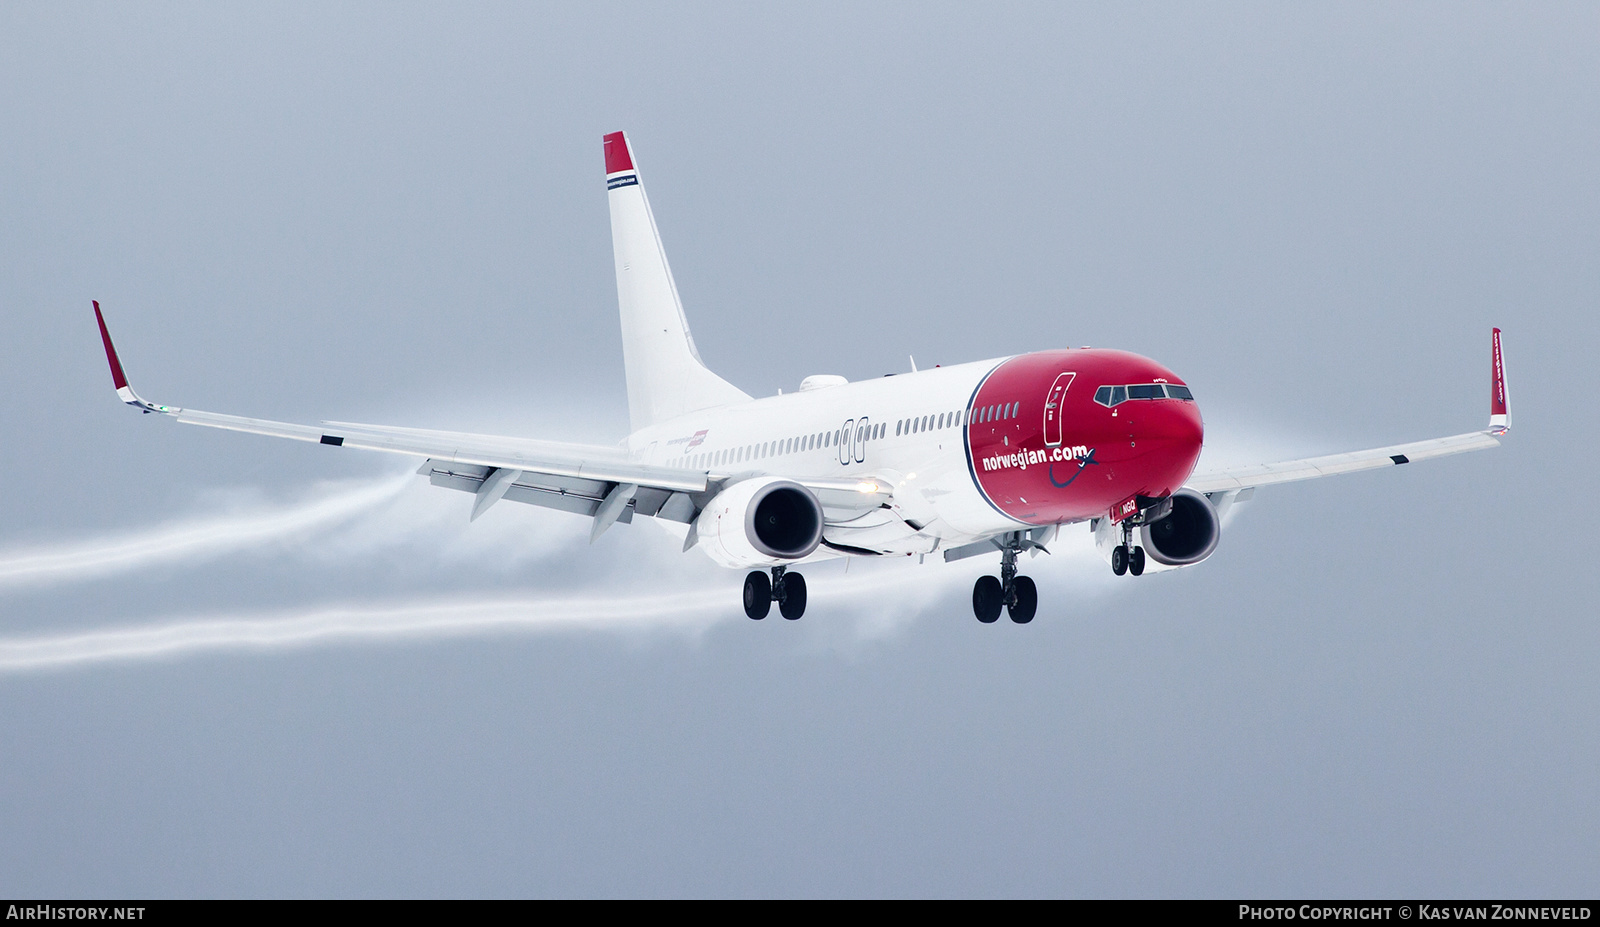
pixel 1116 395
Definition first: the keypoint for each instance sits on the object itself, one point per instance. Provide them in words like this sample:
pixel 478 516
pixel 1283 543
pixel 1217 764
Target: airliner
pixel 990 458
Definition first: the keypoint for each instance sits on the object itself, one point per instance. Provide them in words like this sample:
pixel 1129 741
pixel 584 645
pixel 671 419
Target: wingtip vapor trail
pixel 880 604
pixel 198 538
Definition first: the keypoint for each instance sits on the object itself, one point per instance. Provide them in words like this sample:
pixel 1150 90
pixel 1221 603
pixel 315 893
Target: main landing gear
pixel 1016 594
pixel 1127 557
pixel 785 588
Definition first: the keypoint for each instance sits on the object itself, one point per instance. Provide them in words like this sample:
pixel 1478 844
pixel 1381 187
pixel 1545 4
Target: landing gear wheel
pixel 1027 600
pixel 793 604
pixel 757 595
pixel 1119 561
pixel 987 598
pixel 1136 562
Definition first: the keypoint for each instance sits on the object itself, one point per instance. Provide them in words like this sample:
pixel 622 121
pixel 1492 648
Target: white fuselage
pixel 849 432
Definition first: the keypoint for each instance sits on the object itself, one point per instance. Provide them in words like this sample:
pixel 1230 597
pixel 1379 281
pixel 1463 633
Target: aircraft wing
pixel 1310 468
pixel 592 480
pixel 1286 471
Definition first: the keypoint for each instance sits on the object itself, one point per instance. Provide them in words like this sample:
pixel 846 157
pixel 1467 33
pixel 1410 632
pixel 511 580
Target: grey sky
pixel 1380 685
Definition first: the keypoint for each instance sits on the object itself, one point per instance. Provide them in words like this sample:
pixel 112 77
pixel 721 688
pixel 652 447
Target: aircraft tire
pixel 1119 560
pixel 794 596
pixel 1027 603
pixel 1136 562
pixel 757 595
pixel 987 599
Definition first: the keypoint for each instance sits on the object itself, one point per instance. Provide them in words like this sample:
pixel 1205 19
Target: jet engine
pixel 761 522
pixel 1187 534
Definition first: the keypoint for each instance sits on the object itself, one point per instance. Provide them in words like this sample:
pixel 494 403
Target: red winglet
pixel 118 379
pixel 618 157
pixel 1497 395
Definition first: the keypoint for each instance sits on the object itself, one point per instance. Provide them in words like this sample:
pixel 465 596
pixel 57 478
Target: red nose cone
pixel 1171 432
pixel 1175 421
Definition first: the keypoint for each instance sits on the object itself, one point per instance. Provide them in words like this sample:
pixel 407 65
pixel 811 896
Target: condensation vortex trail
pixel 193 538
pixel 347 623
pixel 686 611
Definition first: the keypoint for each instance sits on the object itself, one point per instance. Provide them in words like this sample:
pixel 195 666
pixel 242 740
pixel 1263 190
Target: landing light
pixel 867 487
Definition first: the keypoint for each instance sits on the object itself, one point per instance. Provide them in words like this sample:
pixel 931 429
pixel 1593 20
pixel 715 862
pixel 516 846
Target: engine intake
pixel 1187 534
pixel 784 521
pixel 761 522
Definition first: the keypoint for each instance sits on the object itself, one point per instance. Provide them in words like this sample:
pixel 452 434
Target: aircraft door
pixel 1053 405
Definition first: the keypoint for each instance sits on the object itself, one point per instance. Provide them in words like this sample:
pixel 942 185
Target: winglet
pixel 118 378
pixel 1499 395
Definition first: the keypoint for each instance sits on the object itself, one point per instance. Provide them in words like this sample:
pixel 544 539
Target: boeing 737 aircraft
pixel 986 458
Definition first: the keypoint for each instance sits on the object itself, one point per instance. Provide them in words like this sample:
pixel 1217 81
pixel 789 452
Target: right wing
pixel 1234 479
pixel 601 482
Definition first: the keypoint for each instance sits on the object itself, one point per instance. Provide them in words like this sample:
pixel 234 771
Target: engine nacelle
pixel 1187 535
pixel 761 522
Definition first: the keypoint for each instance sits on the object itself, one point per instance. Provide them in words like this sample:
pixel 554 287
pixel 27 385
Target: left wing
pixel 1238 478
pixel 598 481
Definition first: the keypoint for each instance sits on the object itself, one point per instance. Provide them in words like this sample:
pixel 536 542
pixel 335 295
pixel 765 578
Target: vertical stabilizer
pixel 666 377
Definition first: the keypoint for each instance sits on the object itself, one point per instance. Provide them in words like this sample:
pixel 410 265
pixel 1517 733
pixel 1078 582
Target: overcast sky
pixel 237 666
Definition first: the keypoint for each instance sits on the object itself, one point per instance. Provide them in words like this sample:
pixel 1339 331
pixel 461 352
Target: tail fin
pixel 666 377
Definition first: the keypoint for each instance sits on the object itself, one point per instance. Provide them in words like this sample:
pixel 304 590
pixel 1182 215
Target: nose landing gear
pixel 1017 594
pixel 1127 557
pixel 785 588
